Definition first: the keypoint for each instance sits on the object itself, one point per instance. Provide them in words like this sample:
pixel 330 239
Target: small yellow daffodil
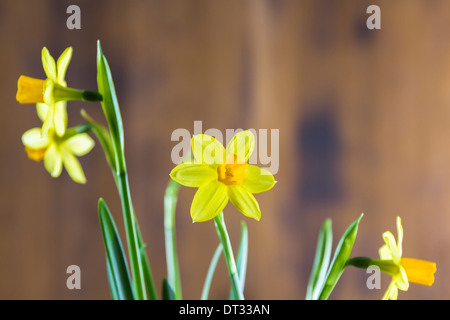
pixel 405 270
pixel 52 91
pixel 31 90
pixel 57 151
pixel 221 175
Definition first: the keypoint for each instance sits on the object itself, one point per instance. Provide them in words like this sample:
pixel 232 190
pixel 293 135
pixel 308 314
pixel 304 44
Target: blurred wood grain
pixel 363 119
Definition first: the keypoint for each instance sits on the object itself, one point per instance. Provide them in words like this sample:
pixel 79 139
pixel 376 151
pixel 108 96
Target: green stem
pixel 132 234
pixel 228 254
pixel 145 272
pixel 210 273
pixel 173 269
pixel 62 93
pixel 111 110
pixel 136 245
pixel 387 266
pixel 241 259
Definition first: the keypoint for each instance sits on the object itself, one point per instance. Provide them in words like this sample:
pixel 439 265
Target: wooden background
pixel 363 118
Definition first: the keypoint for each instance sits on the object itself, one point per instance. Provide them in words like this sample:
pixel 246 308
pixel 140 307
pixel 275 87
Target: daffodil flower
pixel 52 91
pixel 221 175
pixel 57 151
pixel 403 270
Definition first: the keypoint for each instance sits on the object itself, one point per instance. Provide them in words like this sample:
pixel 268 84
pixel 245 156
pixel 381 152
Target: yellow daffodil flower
pixel 405 270
pixel 52 91
pixel 31 90
pixel 221 175
pixel 57 151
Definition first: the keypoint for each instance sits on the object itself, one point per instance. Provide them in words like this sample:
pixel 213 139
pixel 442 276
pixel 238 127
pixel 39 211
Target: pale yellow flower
pixel 52 91
pixel 223 174
pixel 407 269
pixel 57 151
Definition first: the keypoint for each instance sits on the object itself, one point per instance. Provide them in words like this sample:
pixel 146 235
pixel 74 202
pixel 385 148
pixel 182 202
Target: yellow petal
pixel 244 201
pixel 53 161
pixel 73 166
pixel 60 118
pixel 391 292
pixel 209 200
pixel 49 97
pixel 399 236
pixel 79 144
pixel 30 90
pixel 402 280
pixel 34 140
pixel 62 64
pixel 241 145
pixel 193 175
pixel 48 122
pixel 49 64
pixel 385 253
pixel 207 150
pixel 42 110
pixel 257 179
pixel 390 242
pixel 419 271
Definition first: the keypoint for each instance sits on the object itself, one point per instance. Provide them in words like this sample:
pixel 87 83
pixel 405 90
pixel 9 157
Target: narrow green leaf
pixel 321 261
pixel 111 281
pixel 167 291
pixel 241 259
pixel 210 273
pixel 110 104
pixel 148 275
pixel 117 265
pixel 173 269
pixel 341 255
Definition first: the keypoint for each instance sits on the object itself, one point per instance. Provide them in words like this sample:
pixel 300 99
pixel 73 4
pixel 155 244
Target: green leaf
pixel 148 275
pixel 341 255
pixel 241 260
pixel 118 275
pixel 109 103
pixel 210 273
pixel 321 261
pixel 167 291
pixel 111 281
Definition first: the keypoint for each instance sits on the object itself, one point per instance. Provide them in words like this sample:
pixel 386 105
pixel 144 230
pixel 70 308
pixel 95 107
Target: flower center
pixel 36 154
pixel 419 271
pixel 232 174
pixel 30 90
